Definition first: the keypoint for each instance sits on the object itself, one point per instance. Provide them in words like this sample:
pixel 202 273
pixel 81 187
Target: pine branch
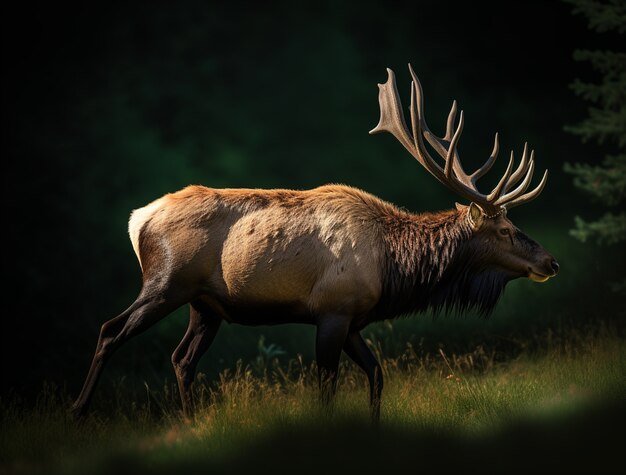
pixel 608 94
pixel 602 125
pixel 609 229
pixel 602 16
pixel 610 63
pixel 605 183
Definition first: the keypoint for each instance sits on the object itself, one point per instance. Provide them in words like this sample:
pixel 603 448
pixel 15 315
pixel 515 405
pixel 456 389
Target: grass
pixel 558 406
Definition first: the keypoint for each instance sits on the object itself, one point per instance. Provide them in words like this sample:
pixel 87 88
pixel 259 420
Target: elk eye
pixel 504 231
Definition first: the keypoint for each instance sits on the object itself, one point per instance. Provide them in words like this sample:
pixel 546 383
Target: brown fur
pixel 317 251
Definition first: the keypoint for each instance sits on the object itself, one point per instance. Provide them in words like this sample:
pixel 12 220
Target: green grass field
pixel 558 408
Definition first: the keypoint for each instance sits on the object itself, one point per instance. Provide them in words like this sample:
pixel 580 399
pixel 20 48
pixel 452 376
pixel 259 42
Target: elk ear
pixel 475 215
pixel 459 206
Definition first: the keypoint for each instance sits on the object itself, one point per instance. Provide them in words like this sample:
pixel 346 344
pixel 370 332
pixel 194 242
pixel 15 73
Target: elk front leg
pixel 358 351
pixel 331 336
pixel 203 327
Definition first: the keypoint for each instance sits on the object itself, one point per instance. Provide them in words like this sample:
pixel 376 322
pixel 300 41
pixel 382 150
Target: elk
pixel 334 256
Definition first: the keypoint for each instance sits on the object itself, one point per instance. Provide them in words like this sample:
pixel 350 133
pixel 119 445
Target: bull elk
pixel 335 256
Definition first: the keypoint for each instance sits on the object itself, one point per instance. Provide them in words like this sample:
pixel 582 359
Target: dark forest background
pixel 105 108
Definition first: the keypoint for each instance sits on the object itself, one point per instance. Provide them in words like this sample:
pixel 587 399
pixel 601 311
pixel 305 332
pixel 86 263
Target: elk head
pixel 504 247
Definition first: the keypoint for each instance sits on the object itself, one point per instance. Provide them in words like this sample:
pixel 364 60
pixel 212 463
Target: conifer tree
pixel 605 182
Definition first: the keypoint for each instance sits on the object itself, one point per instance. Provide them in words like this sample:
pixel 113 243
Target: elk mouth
pixel 538 277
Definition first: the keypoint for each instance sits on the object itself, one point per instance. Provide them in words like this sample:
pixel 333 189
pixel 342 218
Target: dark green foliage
pixel 603 15
pixel 608 229
pixel 606 124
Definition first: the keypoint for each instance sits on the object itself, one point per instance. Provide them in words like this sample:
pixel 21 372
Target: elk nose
pixel 555 266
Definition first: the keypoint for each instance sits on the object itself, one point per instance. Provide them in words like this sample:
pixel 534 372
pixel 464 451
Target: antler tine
pixel 521 188
pixel 531 195
pixel 488 164
pixel 391 117
pixel 439 143
pixel 521 170
pixel 497 191
pixel 450 122
pixel 451 156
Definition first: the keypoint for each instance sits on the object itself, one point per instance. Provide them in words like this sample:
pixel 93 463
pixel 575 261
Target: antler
pixel 452 174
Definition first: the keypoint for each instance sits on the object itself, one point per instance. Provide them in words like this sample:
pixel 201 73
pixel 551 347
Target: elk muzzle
pixel 550 268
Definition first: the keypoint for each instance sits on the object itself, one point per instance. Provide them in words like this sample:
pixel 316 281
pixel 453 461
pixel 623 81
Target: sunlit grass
pixel 468 395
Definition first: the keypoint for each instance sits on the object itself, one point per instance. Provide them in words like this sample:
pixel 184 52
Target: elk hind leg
pixel 151 306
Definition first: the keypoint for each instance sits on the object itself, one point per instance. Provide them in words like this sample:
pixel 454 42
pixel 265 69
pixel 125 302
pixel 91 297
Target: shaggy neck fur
pixel 433 262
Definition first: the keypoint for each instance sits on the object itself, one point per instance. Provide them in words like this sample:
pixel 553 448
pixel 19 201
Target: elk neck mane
pixel 432 262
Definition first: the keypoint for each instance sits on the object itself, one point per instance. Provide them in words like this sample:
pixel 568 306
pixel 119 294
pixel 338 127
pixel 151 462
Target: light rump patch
pixel 138 219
